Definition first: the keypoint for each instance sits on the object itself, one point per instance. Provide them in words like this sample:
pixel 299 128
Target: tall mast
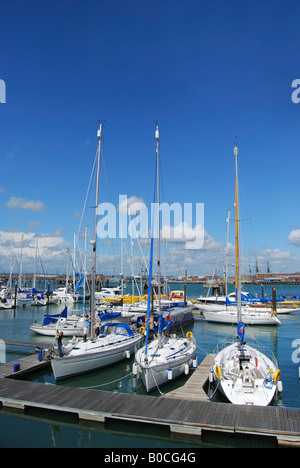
pixel 151 253
pixel 158 219
pixel 34 268
pixel 21 264
pixel 122 267
pixel 237 239
pixel 84 270
pixel 226 259
pixel 94 242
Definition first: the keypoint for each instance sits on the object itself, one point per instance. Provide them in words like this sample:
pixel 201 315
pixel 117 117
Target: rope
pixel 156 383
pixel 108 383
pixel 215 391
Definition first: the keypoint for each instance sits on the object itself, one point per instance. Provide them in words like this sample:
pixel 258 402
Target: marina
pixel 188 411
pixel 149 239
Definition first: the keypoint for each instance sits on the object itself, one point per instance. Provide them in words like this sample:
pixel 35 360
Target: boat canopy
pixel 117 328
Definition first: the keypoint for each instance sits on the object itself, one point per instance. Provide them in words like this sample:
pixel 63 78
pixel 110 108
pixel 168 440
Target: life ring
pixel 218 372
pixel 189 334
pixel 277 375
pixel 142 329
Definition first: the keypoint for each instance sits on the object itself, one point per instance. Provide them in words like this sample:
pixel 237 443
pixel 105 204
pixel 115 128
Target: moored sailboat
pixel 52 324
pixel 249 316
pixel 165 358
pixel 245 375
pixel 114 342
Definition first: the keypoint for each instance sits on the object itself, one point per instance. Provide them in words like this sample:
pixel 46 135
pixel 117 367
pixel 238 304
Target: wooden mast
pixel 237 238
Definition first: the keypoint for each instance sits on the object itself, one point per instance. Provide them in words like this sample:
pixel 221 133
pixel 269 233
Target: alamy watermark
pixel 296 353
pixel 136 220
pixel 2 92
pixel 2 352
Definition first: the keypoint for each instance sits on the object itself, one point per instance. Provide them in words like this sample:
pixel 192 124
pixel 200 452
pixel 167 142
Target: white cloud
pixel 15 203
pixel 51 248
pixel 279 261
pixel 294 237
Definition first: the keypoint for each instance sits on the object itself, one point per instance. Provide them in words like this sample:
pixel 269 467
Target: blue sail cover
pixel 80 283
pixel 54 318
pixel 109 315
pixel 228 302
pixel 164 324
pixel 241 331
pixel 49 319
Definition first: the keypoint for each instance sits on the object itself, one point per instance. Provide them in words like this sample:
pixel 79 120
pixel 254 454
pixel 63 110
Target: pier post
pixel 274 300
pixel 15 298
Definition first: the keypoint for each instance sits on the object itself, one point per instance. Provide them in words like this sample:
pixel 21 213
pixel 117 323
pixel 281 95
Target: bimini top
pixel 116 328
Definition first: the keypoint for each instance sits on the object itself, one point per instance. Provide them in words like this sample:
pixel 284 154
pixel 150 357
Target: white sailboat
pixel 244 375
pixel 165 358
pixel 70 325
pixel 249 304
pixel 114 343
pixel 248 308
pixel 249 316
pixel 6 303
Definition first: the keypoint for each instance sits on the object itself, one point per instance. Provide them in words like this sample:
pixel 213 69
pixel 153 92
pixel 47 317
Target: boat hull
pixel 245 309
pixel 69 366
pixel 52 331
pixel 248 318
pixel 157 373
pixel 6 305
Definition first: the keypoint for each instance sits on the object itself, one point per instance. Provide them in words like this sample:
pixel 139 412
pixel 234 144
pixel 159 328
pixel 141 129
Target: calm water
pixel 38 429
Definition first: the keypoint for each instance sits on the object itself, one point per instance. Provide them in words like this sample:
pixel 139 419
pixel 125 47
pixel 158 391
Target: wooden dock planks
pixel 193 388
pixel 28 364
pixel 181 416
pixel 185 410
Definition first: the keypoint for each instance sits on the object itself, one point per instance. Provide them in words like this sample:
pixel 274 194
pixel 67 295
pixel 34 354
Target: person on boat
pixel 59 337
pixel 86 326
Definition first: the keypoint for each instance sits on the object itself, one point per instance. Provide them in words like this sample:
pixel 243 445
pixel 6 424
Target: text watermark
pixel 2 92
pixel 136 220
pixel 2 352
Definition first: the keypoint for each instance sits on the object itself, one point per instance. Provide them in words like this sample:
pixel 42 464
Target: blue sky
pixel 206 71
